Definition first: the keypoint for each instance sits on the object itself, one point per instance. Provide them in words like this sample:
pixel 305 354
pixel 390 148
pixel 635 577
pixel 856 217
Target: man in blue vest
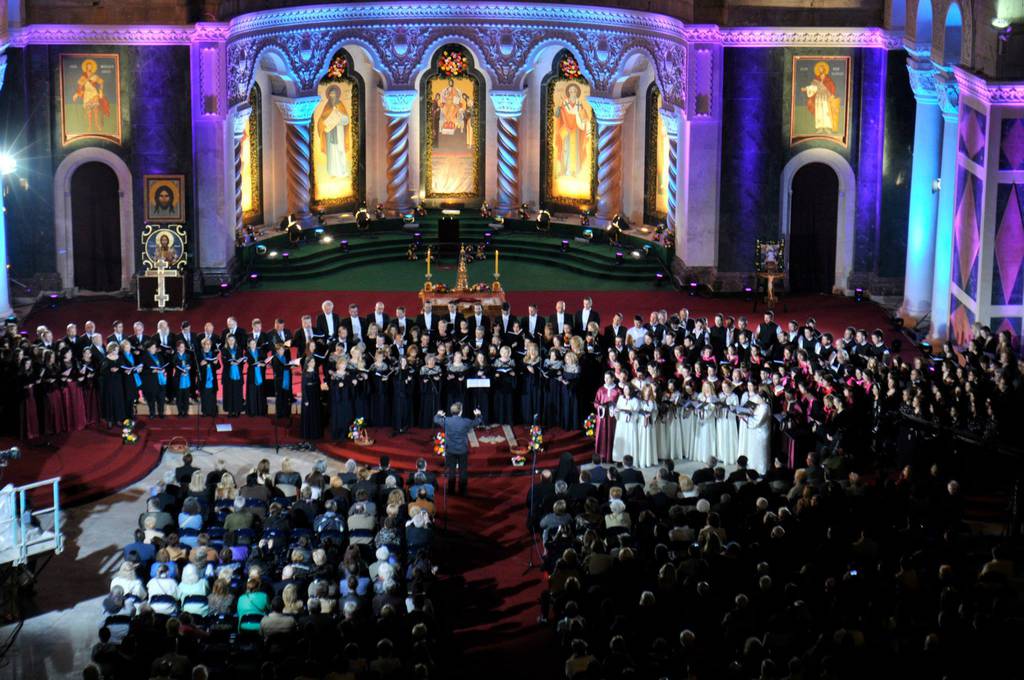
pixel 456 438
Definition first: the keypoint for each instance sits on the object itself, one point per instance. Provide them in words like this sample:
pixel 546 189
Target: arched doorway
pixel 96 227
pixel 812 229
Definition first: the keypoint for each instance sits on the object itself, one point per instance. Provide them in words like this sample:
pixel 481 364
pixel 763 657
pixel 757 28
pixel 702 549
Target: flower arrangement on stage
pixel 590 425
pixel 518 460
pixel 439 444
pixel 453 63
pixel 128 435
pixel 569 68
pixel 536 438
pixel 440 288
pixel 480 287
pixel 357 432
pixel 336 71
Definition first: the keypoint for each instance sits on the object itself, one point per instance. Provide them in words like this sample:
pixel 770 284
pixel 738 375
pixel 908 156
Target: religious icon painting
pixel 165 200
pixel 569 138
pixel 451 105
pixel 656 160
pixel 820 100
pixel 769 256
pixel 164 243
pixel 90 101
pixel 251 158
pixel 336 139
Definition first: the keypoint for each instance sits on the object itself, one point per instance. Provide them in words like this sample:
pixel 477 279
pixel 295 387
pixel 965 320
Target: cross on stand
pixel 161 298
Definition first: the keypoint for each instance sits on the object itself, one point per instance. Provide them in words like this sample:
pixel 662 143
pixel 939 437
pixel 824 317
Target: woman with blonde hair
pixel 706 435
pixel 646 446
pixel 531 385
pixel 292 604
pixel 627 424
pixel 226 488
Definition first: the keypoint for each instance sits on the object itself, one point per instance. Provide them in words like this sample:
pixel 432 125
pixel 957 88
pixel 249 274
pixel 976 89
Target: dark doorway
pixel 96 227
pixel 814 202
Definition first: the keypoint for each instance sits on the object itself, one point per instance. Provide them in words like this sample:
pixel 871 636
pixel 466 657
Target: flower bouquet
pixel 357 432
pixel 440 288
pixel 336 71
pixel 439 444
pixel 569 68
pixel 590 425
pixel 128 435
pixel 453 63
pixel 536 438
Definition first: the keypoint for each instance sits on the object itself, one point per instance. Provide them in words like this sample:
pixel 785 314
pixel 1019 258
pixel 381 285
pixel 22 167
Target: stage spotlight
pixel 659 278
pixel 254 278
pixel 8 163
pixel 619 257
pixel 417 238
pixel 319 231
pixel 272 253
pixel 858 294
pixel 647 249
pixel 693 288
pixel 487 238
pixel 543 220
pixel 588 234
pixel 285 255
pixel 326 239
pixel 362 219
pixel 261 249
pixel 635 254
pixel 223 287
pixel 748 292
pixel 344 245
pixel 54 299
pixel 565 245
pixel 408 218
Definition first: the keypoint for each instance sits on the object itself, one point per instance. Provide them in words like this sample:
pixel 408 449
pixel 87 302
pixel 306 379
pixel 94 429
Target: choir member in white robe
pixel 627 417
pixel 726 425
pixel 647 453
pixel 755 435
pixel 688 423
pixel 706 437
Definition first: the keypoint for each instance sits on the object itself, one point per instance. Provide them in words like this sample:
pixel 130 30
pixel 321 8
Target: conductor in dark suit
pixel 456 438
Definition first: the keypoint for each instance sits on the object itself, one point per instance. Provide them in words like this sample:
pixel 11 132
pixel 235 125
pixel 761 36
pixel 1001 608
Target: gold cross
pixel 161 298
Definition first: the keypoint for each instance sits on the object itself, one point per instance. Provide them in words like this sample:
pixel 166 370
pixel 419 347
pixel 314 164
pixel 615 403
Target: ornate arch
pixel 452 126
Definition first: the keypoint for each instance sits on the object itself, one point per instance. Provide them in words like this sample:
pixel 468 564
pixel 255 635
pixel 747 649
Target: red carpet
pixel 832 313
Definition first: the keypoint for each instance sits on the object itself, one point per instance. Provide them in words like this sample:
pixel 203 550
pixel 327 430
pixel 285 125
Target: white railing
pixel 25 532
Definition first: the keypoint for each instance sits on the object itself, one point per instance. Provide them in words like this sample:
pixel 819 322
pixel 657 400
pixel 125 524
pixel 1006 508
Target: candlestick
pixel 496 262
pixel 428 261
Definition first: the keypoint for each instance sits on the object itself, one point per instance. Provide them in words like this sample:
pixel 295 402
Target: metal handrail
pixel 20 508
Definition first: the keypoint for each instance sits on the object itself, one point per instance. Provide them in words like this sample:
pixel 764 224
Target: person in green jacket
pixel 254 601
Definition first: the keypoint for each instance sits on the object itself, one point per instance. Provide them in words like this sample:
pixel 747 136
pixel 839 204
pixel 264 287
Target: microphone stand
pixel 444 485
pixel 197 447
pixel 532 520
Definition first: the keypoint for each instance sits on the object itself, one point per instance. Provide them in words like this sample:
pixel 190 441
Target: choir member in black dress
pixel 183 376
pixel 403 395
pixel 342 398
pixel 154 380
pixel 112 394
pixel 479 398
pixel 131 375
pixel 282 364
pixel 380 390
pixel 90 391
pixel 71 390
pixel 208 367
pixel 233 358
pixel 431 393
pixel 27 381
pixel 255 379
pixel 312 425
pixel 552 372
pixel 531 385
pixel 361 388
pixel 455 381
pixel 505 388
pixel 569 416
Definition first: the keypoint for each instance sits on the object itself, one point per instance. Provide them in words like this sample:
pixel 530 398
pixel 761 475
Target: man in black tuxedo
pixel 767 333
pixel 402 322
pixel 561 317
pixel 264 343
pixel 582 318
pixel 379 317
pixel 456 433
pixel 717 336
pixel 427 320
pixel 72 339
pixel 707 473
pixel 280 334
pixel 208 334
pixel 118 334
pixel 505 319
pixel 164 339
pixel 306 334
pixel 327 321
pixel 355 326
pixel 240 336
pixel 533 324
pixel 138 338
pixel 478 320
pixel 187 336
pixel 85 337
pixel 453 317
pixel 615 330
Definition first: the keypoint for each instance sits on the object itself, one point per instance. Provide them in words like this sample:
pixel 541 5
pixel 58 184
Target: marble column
pixel 508 108
pixel 298 115
pixel 920 270
pixel 397 110
pixel 5 291
pixel 239 121
pixel 949 98
pixel 610 113
pixel 671 120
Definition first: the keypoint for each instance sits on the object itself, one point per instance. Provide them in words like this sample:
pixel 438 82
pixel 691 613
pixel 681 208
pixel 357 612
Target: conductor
pixel 456 437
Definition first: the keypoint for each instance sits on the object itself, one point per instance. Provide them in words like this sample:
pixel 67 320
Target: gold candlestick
pixel 496 286
pixel 427 285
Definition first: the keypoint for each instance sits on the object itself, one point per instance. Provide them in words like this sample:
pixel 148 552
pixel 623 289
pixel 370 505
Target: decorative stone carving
pixel 949 98
pixel 922 81
pixel 671 121
pixel 297 114
pixel 508 107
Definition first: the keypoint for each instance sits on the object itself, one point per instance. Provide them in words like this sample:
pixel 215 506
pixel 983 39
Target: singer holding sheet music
pixel 456 436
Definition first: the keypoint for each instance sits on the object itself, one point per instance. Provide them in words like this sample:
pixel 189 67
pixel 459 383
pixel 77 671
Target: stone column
pixel 610 114
pixel 671 120
pixel 398 109
pixel 239 121
pixel 949 99
pixel 5 291
pixel 298 115
pixel 508 108
pixel 917 286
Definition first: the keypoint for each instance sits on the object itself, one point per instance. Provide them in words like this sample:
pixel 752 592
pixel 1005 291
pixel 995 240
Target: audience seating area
pixel 278 576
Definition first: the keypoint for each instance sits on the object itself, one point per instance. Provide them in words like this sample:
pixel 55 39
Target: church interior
pixel 728 294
